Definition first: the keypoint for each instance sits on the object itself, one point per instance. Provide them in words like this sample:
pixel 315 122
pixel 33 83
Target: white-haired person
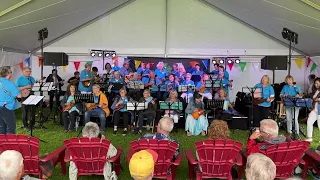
pixel 260 167
pixel 188 82
pixel 11 166
pixel 134 91
pixel 314 114
pixel 266 92
pixel 91 130
pixel 268 134
pixel 174 114
pixel 149 113
pixel 164 129
pixel 291 90
pixel 201 87
pixel 160 72
pixel 116 79
pixel 196 126
pixel 141 165
pixel 125 69
pixel 86 76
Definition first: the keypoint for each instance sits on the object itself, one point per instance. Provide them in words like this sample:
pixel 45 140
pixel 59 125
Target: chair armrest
pixel 190 157
pixel 129 155
pixel 54 154
pixel 178 160
pixel 311 153
pixel 239 160
pixel 117 156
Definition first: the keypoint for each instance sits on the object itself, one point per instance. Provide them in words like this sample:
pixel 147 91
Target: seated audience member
pixel 99 108
pixel 174 114
pixel 260 167
pixel 141 165
pixel 172 85
pixel 188 95
pixel 91 130
pixel 197 70
pixel 218 129
pixel 11 166
pixel 119 108
pixel 150 112
pixel 269 134
pixel 71 110
pixel 75 79
pixel 199 125
pixel 201 87
pixel 164 129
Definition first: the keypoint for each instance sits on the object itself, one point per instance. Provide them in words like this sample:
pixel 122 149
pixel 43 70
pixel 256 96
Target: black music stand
pixel 295 103
pixel 165 105
pixel 115 86
pixel 159 88
pixel 251 90
pixel 81 99
pixel 214 104
pixel 56 107
pixel 135 106
pixel 135 87
pixel 33 100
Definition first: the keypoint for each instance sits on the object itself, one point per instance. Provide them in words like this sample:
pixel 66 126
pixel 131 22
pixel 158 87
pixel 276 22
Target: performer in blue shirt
pixel 261 111
pixel 115 79
pixel 291 90
pixel 115 66
pixel 175 70
pixel 135 93
pixel 160 72
pixel 197 70
pixel 150 81
pixel 226 74
pixel 189 93
pixel 201 88
pixel 143 70
pixel 24 83
pixel 224 83
pixel 125 70
pixel 215 69
pixel 172 85
pixel 8 103
pixel 86 76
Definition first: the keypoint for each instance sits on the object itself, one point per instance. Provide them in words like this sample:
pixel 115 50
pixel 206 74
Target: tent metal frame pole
pixel 166 31
pixel 289 58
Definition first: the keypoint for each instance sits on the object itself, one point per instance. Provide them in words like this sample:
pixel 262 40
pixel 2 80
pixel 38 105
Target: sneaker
pixel 124 133
pixel 308 139
pixel 115 132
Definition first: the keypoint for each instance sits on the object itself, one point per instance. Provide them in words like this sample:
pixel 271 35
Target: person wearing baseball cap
pixel 141 164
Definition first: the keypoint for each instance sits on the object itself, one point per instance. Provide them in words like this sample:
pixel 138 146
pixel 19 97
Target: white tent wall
pixel 138 28
pixel 187 28
pixel 13 59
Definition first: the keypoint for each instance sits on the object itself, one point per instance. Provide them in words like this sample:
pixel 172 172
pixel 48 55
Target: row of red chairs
pixel 215 158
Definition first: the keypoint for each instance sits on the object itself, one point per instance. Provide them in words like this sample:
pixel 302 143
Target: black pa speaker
pixel 274 63
pixel 55 59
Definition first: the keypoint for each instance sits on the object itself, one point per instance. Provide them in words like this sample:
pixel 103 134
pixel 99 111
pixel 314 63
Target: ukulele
pixel 26 92
pixel 69 106
pixel 197 114
pixel 92 106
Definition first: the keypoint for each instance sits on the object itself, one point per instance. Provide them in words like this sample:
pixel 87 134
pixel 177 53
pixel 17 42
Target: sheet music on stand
pixel 32 100
pixel 136 106
pixel 216 83
pixel 216 104
pixel 135 85
pixel 164 105
pixel 185 88
pixel 116 86
pixel 155 88
pixel 42 86
pixel 83 98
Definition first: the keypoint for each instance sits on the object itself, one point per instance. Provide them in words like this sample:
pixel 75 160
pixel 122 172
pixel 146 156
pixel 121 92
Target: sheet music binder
pixel 32 100
pixel 135 85
pixel 45 86
pixel 185 88
pixel 216 83
pixel 139 106
pixel 174 105
pixel 154 88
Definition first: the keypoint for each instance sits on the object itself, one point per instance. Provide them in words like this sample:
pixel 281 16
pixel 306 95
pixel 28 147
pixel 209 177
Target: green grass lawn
pixel 54 135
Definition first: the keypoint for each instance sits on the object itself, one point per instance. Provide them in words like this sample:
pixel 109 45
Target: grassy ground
pixel 54 136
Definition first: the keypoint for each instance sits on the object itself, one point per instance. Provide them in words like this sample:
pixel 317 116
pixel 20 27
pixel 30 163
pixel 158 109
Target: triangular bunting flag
pixel 230 65
pixel 299 62
pixel 313 67
pixel 39 61
pixel 115 58
pixel 21 65
pixel 309 61
pixel 76 65
pixel 193 63
pixel 137 63
pixel 242 65
pixel 205 63
pixel 64 68
pixel 28 61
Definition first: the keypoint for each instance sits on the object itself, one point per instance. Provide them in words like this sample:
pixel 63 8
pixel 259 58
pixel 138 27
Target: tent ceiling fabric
pixel 8 3
pixel 18 28
pixel 271 16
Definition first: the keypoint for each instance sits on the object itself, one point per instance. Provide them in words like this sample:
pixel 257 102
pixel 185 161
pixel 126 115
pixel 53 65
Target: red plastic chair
pixel 90 155
pixel 311 159
pixel 215 158
pixel 287 156
pixel 165 149
pixel 29 148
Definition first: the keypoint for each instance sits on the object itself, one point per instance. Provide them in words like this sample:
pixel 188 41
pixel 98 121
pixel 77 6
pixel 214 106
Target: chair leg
pixel 63 164
pixel 240 171
pixel 191 171
pixel 117 166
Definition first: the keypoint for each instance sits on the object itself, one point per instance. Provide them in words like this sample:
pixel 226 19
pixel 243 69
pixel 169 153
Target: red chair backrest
pixel 287 156
pixel 165 149
pixel 27 146
pixel 89 155
pixel 217 156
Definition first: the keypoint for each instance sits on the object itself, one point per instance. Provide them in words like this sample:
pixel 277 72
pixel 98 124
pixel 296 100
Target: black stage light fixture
pixel 43 34
pixel 290 35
